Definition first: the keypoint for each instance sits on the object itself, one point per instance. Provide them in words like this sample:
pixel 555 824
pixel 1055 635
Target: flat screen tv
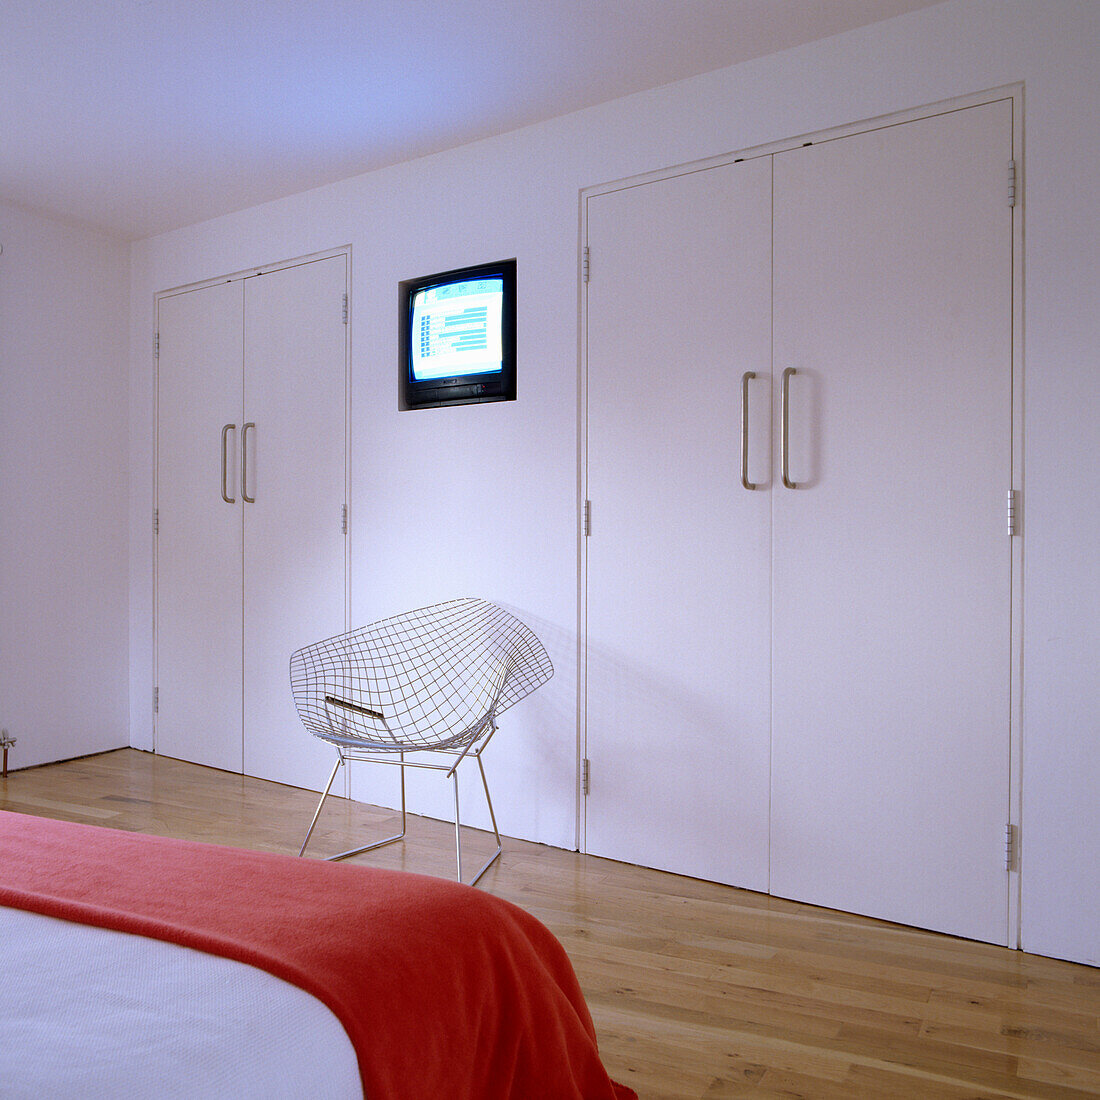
pixel 458 336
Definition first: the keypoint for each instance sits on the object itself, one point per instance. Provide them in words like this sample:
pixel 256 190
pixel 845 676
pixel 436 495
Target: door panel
pixel 294 571
pixel 199 539
pixel 891 584
pixel 677 564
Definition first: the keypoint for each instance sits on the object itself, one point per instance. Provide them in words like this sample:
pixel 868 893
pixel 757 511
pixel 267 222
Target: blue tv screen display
pixel 456 329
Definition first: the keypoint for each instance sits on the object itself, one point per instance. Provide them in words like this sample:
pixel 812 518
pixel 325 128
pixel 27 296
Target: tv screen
pixel 458 336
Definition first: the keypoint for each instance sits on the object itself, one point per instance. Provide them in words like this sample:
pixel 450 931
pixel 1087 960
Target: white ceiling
pixel 139 116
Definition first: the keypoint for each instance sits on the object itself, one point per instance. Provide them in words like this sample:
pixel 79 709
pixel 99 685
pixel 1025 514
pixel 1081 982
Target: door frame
pixel 1015 94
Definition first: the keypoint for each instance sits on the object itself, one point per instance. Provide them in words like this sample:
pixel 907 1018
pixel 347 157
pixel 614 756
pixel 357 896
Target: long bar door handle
pixel 226 429
pixel 745 379
pixel 244 463
pixel 785 431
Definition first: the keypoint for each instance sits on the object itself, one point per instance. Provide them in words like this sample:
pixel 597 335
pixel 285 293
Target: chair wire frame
pixel 433 680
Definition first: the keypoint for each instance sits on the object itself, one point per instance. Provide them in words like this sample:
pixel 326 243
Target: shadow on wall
pixel 550 714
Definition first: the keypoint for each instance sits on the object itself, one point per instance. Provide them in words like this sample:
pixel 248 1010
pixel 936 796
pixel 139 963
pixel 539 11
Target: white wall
pixel 483 500
pixel 64 488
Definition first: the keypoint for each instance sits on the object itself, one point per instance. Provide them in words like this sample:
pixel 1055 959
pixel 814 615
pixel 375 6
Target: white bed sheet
pixel 92 1013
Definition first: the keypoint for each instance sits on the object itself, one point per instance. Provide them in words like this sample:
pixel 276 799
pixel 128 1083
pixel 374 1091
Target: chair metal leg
pixel 496 832
pixel 489 803
pixel 404 820
pixel 458 835
pixel 324 795
pixel 366 847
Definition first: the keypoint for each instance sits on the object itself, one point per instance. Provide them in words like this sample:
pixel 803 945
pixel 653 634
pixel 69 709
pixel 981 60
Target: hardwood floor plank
pixel 1043 1070
pixel 71 812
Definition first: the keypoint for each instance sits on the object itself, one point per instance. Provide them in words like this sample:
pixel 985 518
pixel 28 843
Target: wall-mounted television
pixel 458 336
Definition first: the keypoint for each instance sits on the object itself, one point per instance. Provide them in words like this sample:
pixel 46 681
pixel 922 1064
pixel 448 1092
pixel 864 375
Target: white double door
pixel 250 497
pixel 806 690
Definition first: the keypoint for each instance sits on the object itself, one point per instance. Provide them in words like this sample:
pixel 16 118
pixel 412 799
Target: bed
pixel 142 966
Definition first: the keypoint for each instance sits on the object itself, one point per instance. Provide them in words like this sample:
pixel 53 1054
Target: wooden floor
pixel 697 990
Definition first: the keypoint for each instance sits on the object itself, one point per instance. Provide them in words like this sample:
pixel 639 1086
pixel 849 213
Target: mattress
pixel 192 1024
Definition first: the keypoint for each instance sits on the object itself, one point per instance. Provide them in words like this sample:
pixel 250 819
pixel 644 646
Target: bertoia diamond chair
pixel 413 688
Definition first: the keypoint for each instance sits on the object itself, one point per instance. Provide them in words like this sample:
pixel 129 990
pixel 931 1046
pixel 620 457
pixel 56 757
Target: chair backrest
pixel 433 678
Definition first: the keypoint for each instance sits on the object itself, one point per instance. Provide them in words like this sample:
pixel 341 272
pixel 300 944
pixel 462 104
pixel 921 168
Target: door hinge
pixel 1012 847
pixel 586 776
pixel 585 264
pixel 1011 183
pixel 156 345
pixel 156 700
pixel 586 519
pixel 1011 513
pixel 343 519
pixel 345 313
pixel 156 521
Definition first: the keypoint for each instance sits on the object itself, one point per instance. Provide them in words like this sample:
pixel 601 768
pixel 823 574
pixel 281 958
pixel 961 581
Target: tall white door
pixel 802 684
pixel 199 628
pixel 678 621
pixel 251 489
pixel 293 540
pixel 891 583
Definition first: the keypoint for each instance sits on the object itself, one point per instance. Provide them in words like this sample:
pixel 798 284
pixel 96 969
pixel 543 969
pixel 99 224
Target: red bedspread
pixel 445 992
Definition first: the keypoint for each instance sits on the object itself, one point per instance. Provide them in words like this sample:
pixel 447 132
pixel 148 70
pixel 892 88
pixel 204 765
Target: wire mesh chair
pixel 432 680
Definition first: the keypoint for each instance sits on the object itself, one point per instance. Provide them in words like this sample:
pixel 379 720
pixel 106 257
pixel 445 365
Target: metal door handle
pixel 226 429
pixel 244 463
pixel 745 483
pixel 785 432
